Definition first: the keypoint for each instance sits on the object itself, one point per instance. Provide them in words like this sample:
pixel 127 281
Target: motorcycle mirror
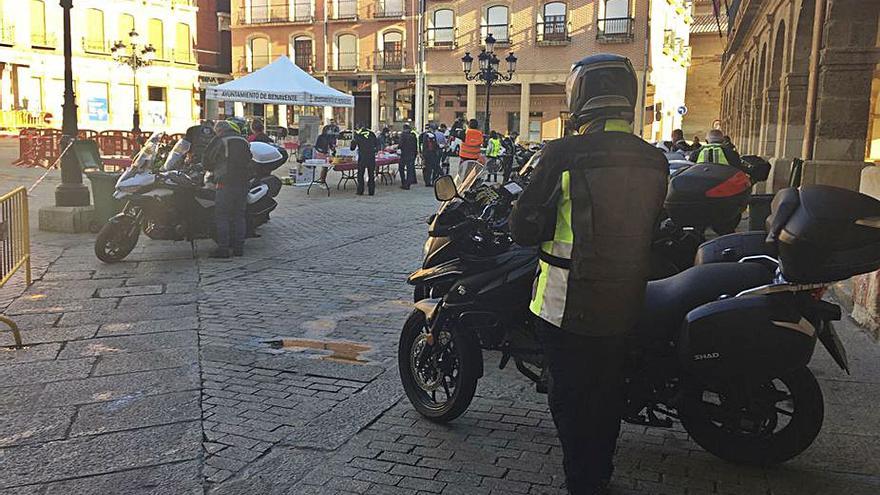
pixel 444 188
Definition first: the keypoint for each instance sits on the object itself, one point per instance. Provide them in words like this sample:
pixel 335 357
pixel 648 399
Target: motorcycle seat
pixel 667 301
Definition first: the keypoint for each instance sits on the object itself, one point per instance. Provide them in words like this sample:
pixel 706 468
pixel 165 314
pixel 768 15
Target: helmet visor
pixel 571 85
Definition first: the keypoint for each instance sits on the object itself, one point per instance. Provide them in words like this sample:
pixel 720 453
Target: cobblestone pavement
pixel 171 373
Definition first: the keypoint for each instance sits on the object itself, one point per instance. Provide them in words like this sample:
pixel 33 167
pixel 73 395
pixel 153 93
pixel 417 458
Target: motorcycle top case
pixel 824 234
pixel 753 336
pixel 734 247
pixel 707 194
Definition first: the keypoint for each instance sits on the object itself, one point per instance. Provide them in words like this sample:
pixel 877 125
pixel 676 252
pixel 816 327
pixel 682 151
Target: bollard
pixel 15 251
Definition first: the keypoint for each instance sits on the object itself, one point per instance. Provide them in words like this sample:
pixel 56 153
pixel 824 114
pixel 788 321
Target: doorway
pixel 362 109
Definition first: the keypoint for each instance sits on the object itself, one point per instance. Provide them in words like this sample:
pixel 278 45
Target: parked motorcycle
pixel 169 202
pixel 721 347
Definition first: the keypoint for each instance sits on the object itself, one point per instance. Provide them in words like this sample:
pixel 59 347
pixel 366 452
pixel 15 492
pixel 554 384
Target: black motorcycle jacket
pixel 229 157
pixel 592 204
pixel 367 144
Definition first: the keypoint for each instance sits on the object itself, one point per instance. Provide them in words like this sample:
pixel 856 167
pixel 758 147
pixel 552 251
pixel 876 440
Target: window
pixel 301 46
pixel 126 26
pixel 390 8
pixel 183 44
pixel 497 24
pixel 157 106
pixel 345 9
pixel 258 53
pixel 39 37
pixel 346 52
pixel 442 31
pixel 94 40
pixel 535 119
pixel 553 23
pixel 512 122
pixel 615 20
pixel 404 104
pixel 156 37
pixel 392 50
pixel 259 11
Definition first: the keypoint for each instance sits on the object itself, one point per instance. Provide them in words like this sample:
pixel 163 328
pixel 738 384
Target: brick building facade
pixel 213 52
pixel 367 48
pixel 703 95
pixel 548 37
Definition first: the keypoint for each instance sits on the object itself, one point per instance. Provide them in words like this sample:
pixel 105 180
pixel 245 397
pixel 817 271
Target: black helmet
pixel 601 86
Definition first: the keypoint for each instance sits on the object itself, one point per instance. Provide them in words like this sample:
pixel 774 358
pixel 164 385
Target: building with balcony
pixel 703 95
pixel 364 47
pixel 766 76
pixel 548 36
pixel 32 66
pixel 213 53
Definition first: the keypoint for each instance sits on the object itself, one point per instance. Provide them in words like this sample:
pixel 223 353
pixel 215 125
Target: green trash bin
pixel 103 187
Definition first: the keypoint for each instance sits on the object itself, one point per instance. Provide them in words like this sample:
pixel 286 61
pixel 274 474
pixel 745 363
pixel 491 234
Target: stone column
pixel 790 130
pixel 525 101
pixel 754 142
pixel 768 129
pixel 374 103
pixel 866 288
pixel 238 109
pixel 846 71
pixel 471 112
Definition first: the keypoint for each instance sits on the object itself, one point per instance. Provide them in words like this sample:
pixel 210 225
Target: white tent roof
pixel 282 83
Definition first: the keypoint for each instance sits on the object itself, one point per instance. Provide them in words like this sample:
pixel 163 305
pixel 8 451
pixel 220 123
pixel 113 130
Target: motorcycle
pixel 167 202
pixel 721 347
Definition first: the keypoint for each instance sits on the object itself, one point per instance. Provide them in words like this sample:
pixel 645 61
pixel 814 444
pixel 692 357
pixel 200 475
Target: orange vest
pixel 470 148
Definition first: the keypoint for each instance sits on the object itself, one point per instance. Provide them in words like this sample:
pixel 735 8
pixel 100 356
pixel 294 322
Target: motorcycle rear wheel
pixel 802 408
pixel 443 389
pixel 114 243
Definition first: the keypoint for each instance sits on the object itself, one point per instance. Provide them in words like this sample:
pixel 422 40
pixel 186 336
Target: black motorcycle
pixel 721 347
pixel 170 203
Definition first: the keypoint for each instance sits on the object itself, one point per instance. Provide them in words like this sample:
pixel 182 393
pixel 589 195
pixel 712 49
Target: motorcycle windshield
pixel 465 180
pixel 143 161
pixel 175 158
pixel 531 165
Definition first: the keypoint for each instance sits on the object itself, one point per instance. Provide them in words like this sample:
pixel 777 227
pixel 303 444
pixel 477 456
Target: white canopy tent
pixel 280 83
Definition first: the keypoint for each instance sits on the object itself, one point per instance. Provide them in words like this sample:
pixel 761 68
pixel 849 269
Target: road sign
pixel 682 110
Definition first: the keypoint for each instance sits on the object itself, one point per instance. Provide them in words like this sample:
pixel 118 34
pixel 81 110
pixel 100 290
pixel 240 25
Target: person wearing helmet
pixel 239 125
pixel 228 156
pixel 718 150
pixel 592 207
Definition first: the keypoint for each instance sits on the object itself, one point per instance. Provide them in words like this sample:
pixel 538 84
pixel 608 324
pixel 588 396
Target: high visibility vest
pixel 470 148
pixel 551 287
pixel 712 153
pixel 494 148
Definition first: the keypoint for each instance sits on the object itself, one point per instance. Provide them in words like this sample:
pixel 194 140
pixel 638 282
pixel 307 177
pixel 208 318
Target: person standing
pixel 493 156
pixel 507 159
pixel 678 142
pixel 469 148
pixel 718 150
pixel 409 150
pixel 384 138
pixel 440 135
pixel 430 155
pixel 258 133
pixel 367 145
pixel 228 156
pixel 592 206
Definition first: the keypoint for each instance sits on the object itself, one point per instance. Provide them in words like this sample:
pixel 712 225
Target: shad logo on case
pixel 709 355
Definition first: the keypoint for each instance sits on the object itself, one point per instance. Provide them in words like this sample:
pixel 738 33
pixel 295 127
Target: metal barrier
pixel 15 248
pixel 18 119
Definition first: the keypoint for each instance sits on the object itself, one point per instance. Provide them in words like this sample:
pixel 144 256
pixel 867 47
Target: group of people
pixel 718 148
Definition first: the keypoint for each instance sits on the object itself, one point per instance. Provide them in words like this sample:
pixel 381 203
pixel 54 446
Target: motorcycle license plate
pixel 513 188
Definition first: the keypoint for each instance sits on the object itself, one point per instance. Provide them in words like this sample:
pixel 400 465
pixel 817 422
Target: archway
pixel 773 95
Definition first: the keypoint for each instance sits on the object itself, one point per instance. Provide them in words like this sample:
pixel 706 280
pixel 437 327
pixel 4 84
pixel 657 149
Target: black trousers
pixel 586 402
pixel 430 168
pixel 230 210
pixel 370 168
pixel 407 169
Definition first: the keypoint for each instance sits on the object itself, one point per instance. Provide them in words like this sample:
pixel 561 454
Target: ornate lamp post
pixel 487 70
pixel 135 56
pixel 71 191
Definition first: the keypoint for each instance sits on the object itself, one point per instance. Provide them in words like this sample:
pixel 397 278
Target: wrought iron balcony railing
pixel 251 63
pixel 389 60
pixel 7 34
pixel 385 9
pixel 619 29
pixel 95 46
pixel 344 10
pixel 554 29
pixel 299 11
pixel 501 32
pixel 305 61
pixel 441 38
pixel 346 61
pixel 43 40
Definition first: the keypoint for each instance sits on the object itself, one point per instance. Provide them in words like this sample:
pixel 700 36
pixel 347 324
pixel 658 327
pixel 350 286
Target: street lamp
pixel 488 65
pixel 71 191
pixel 136 56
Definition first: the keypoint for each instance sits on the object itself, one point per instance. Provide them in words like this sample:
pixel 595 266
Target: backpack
pixel 430 143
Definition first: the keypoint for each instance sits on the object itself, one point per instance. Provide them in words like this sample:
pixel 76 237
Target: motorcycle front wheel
pixel 775 421
pixel 440 382
pixel 115 240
